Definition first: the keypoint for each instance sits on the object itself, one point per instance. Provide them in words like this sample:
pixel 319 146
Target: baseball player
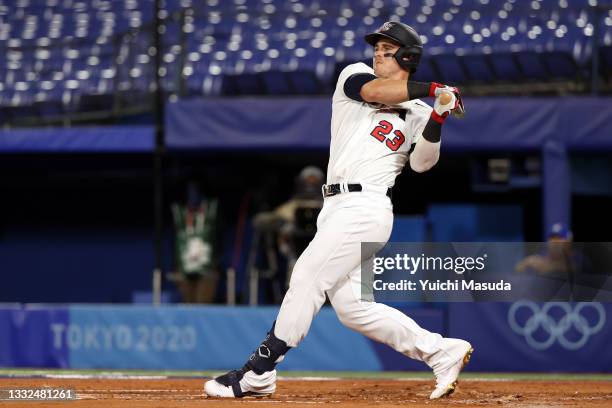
pixel 378 125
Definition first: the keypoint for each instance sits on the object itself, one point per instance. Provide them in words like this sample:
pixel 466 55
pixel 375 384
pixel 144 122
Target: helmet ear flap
pixel 408 58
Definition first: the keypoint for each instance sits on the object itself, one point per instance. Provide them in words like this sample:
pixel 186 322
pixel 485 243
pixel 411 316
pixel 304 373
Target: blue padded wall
pixel 467 222
pixel 408 229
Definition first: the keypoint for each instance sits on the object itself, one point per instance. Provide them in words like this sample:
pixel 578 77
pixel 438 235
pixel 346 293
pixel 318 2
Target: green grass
pixel 405 375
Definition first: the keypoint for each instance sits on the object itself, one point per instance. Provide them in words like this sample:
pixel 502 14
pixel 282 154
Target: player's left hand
pixel 459 110
pixel 445 102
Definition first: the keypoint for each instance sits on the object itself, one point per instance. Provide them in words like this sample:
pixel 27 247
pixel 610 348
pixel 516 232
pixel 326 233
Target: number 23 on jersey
pixel 381 132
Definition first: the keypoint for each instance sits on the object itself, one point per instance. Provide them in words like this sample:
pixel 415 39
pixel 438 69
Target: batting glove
pixel 436 89
pixel 440 111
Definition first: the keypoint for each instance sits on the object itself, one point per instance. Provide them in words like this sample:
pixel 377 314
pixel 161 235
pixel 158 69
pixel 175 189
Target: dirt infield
pixel 169 393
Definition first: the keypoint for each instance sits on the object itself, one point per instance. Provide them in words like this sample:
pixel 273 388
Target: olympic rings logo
pixel 556 330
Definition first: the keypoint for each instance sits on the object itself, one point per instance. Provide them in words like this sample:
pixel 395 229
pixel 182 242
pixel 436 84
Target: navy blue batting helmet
pixel 411 46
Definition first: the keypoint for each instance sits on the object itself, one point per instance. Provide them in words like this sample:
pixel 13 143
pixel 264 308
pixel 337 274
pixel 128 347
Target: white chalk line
pixel 106 377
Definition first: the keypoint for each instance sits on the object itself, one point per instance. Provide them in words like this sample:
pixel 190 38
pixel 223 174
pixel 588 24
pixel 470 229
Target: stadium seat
pixel 305 83
pixel 450 68
pixel 532 66
pixel 426 71
pixel 276 83
pixel 94 103
pixel 605 61
pixel 478 68
pixel 561 65
pixel 505 67
pixel 48 108
pixel 245 84
pixel 467 41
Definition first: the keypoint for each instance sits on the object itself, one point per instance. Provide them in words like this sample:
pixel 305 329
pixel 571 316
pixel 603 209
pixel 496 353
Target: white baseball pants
pixel 332 264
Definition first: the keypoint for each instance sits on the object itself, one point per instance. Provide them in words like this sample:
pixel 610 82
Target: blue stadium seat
pixel 426 71
pixel 94 103
pixel 245 84
pixel 276 83
pixel 48 108
pixel 605 60
pixel 561 65
pixel 507 41
pixel 478 68
pixel 20 112
pixel 532 66
pixel 305 83
pixel 450 68
pixel 505 67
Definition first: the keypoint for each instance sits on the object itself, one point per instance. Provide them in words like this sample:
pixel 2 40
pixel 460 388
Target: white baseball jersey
pixel 371 144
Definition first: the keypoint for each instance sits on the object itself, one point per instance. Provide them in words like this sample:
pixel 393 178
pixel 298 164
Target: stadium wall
pixel 580 123
pixel 112 263
pixel 553 126
pixel 563 337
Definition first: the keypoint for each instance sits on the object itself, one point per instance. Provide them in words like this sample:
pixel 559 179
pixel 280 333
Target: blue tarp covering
pixel 528 336
pixel 520 336
pixel 303 123
pixel 249 123
pixel 491 123
pixel 173 337
pixel 78 139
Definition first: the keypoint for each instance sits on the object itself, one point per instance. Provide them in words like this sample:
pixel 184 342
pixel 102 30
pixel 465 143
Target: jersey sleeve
pixel 418 118
pixel 354 83
pixel 347 72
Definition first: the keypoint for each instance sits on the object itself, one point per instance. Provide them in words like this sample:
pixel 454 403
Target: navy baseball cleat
pixel 258 376
pixel 241 383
